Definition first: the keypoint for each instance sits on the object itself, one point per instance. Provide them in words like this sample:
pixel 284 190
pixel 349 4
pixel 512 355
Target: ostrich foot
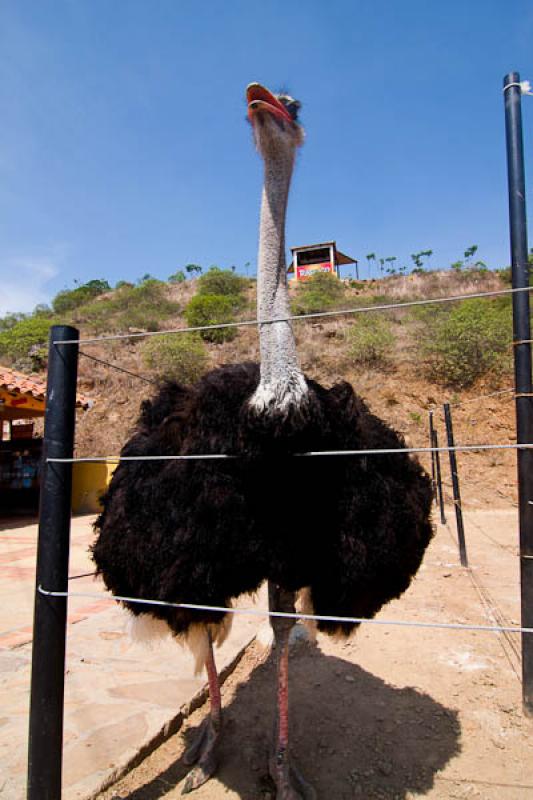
pixel 203 753
pixel 290 784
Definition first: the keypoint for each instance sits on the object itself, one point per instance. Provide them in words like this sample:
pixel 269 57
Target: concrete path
pixel 119 696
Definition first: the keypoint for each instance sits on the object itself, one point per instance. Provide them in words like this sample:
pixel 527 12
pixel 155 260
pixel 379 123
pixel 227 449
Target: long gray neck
pixel 282 383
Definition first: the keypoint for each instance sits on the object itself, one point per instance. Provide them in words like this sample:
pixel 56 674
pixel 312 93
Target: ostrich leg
pixel 203 751
pixel 290 784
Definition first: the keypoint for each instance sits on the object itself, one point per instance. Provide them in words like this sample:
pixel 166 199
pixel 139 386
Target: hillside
pixel 398 379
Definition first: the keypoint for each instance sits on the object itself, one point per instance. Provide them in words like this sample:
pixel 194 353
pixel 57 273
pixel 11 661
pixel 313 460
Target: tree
pixel 418 259
pixel 370 257
pixel 470 253
pixel 193 269
pixel 177 277
pixel 10 320
pixel 69 299
pixel 457 265
pixel 426 254
pixel 390 260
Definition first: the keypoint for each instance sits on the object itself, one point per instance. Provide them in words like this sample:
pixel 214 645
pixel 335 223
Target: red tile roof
pixel 15 381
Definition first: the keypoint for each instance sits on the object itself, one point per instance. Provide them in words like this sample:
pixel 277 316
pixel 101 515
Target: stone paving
pixel 119 696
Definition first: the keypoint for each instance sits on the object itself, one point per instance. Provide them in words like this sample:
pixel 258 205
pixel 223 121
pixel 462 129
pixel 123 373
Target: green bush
pixel 177 277
pixel 370 340
pixel 25 342
pixel 221 282
pixel 469 341
pixel 10 320
pixel 142 306
pixel 212 309
pixel 321 292
pixel 181 357
pixel 69 299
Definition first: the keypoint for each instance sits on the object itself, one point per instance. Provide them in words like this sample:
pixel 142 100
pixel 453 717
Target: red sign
pixel 307 270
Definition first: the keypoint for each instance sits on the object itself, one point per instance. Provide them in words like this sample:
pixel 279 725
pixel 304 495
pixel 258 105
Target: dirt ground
pixel 393 713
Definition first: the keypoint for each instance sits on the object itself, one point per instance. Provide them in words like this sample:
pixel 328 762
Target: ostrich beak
pixel 261 99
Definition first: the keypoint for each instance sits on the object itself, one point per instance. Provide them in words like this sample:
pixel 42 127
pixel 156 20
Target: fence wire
pixel 258 612
pixel 116 367
pixel 296 317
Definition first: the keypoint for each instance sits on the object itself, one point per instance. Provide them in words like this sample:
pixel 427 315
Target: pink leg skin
pixel 290 784
pixel 203 751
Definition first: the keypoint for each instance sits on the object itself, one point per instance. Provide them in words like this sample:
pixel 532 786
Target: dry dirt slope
pixel 398 392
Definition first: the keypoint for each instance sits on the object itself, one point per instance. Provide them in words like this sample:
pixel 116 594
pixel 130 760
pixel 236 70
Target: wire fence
pixel 257 612
pixel 500 628
pixel 116 367
pixel 329 453
pixel 297 317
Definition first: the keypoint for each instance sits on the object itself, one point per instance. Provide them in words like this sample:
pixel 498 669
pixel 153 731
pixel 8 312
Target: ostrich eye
pixel 292 105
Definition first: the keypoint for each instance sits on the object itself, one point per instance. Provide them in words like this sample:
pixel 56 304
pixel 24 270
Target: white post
pixel 332 260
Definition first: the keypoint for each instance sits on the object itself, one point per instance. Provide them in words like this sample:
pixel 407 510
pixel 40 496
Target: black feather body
pixel 353 529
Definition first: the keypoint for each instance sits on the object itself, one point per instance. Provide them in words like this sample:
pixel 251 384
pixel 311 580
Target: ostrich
pixel 348 533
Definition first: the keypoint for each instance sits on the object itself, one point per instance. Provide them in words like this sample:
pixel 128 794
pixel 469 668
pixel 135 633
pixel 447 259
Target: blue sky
pixel 124 147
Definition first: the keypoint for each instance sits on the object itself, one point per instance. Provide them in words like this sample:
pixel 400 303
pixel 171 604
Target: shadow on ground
pixel 353 735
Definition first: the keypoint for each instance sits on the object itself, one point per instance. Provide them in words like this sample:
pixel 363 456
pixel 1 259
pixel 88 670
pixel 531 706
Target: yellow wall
pixel 89 481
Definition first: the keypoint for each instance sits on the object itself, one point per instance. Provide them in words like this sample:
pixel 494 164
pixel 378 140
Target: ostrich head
pixel 277 134
pixel 274 120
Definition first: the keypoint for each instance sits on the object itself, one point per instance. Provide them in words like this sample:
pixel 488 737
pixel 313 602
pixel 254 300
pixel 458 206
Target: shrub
pixel 69 299
pixel 142 306
pixel 321 292
pixel 10 320
pixel 26 341
pixel 221 282
pixel 181 357
pixel 212 309
pixel 370 340
pixel 177 277
pixel 42 310
pixel 471 340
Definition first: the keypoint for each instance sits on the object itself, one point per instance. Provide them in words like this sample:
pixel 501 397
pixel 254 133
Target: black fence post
pixel 433 454
pixel 522 364
pixel 455 485
pixel 50 614
pixel 435 444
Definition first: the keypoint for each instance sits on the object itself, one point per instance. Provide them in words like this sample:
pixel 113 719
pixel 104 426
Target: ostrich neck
pixel 282 383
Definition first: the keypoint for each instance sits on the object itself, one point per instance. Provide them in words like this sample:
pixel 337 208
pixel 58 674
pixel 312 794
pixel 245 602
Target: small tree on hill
pixel 470 253
pixel 177 277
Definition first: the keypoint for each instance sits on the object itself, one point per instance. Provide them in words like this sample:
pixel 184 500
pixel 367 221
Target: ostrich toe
pixel 290 784
pixel 203 753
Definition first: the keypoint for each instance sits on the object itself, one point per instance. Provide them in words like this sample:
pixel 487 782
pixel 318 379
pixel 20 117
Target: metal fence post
pixel 455 485
pixel 50 613
pixel 435 444
pixel 522 364
pixel 433 454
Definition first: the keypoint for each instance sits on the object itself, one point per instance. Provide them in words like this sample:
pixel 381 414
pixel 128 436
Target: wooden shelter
pixel 309 259
pixel 22 401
